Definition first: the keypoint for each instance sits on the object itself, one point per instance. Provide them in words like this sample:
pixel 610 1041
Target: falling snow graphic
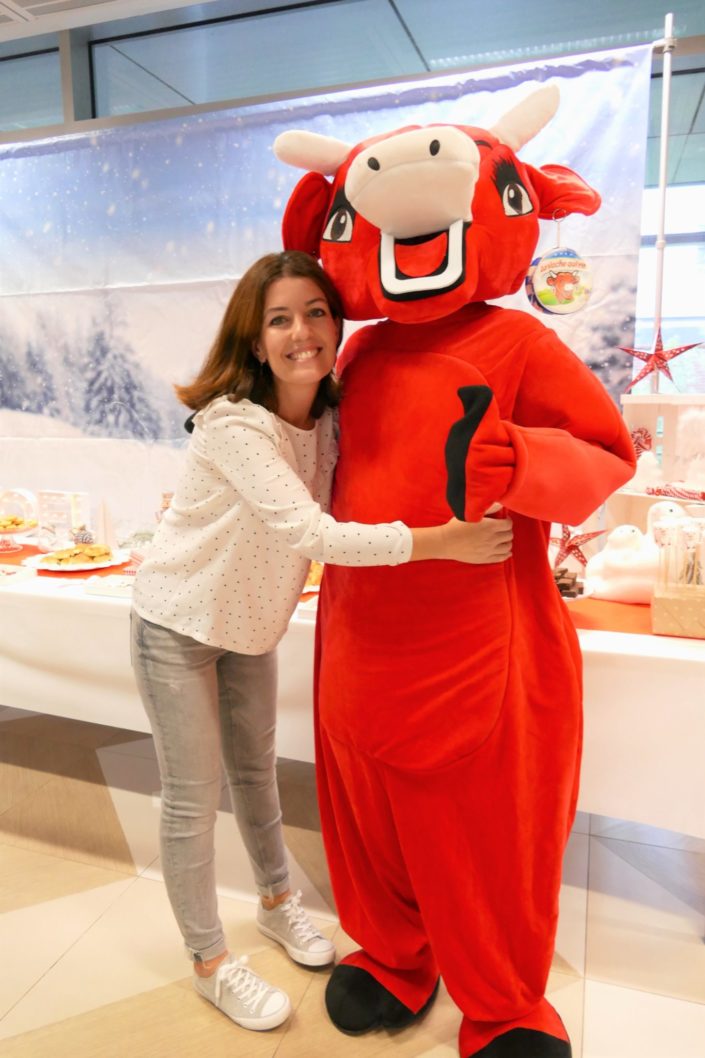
pixel 120 248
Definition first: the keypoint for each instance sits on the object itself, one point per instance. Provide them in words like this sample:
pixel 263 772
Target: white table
pixel 66 653
pixel 644 751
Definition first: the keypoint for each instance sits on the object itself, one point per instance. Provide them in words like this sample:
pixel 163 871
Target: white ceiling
pixel 27 18
pixel 594 24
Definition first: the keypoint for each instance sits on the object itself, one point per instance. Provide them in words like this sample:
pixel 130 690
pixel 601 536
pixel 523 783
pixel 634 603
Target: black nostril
pixel 373 163
pixel 435 147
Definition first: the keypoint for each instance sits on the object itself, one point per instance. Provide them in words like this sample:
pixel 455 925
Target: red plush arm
pixel 571 447
pixel 564 451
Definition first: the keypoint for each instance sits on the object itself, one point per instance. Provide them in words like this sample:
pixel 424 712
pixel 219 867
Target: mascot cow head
pixel 419 222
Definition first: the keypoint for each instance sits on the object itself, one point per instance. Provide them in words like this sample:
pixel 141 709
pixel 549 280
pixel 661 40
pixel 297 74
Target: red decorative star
pixel 656 359
pixel 570 544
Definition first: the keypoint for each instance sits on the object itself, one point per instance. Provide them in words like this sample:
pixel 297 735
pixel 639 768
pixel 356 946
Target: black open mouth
pixel 444 273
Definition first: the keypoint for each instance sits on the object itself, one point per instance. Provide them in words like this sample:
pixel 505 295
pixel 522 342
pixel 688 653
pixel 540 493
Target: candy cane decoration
pixel 674 492
pixel 642 440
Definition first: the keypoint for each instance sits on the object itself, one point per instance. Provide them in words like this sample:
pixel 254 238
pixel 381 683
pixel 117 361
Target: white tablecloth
pixel 66 653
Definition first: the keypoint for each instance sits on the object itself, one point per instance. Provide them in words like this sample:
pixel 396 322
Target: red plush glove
pixel 480 457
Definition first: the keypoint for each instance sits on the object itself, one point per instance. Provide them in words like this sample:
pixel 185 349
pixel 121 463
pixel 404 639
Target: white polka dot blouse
pixel 230 556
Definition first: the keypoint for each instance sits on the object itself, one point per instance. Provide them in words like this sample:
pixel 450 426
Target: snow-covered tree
pixel 115 401
pixel 69 348
pixel 13 388
pixel 611 326
pixel 41 390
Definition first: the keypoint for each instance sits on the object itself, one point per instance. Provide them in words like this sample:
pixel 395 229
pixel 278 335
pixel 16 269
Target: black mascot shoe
pixel 356 1002
pixel 525 1043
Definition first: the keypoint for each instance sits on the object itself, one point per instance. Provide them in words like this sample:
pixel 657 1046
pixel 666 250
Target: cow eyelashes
pixel 515 197
pixel 515 202
pixel 339 226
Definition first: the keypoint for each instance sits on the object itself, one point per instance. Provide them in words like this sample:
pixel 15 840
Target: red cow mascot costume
pixel 449 695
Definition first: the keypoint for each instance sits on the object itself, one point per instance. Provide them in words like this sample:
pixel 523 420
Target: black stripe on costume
pixel 476 400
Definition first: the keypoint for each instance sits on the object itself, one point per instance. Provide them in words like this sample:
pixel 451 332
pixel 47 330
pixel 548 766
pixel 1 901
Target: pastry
pixel 78 555
pixel 13 523
pixel 315 574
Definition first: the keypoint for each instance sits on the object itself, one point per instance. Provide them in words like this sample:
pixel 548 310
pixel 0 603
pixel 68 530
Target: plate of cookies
pixel 78 559
pixel 13 523
pixel 313 580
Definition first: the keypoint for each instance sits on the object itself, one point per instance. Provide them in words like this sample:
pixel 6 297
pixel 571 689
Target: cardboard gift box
pixel 679 613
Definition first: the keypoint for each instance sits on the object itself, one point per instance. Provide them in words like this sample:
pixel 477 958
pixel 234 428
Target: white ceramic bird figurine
pixel 625 570
pixel 664 510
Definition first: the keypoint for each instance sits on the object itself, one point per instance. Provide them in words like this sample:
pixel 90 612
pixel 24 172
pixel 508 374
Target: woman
pixel 215 594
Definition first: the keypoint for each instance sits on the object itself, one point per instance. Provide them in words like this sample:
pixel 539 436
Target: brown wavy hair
pixel 231 368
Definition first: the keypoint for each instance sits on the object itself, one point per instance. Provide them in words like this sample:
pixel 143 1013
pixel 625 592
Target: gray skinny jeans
pixel 208 705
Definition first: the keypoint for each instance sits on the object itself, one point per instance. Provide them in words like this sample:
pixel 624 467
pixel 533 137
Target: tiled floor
pixel 92 966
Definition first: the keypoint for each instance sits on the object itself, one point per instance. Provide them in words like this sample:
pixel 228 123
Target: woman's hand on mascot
pixel 486 541
pixel 480 458
pixel 479 543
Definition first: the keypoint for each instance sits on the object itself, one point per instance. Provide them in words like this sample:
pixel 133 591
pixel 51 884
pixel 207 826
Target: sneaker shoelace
pixel 243 983
pixel 300 923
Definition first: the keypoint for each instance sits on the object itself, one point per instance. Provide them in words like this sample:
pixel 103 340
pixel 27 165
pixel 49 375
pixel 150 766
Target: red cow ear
pixel 305 214
pixel 561 191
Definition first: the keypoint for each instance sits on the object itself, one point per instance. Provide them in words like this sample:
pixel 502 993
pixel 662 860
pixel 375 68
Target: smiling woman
pixel 281 302
pixel 215 594
pixel 298 343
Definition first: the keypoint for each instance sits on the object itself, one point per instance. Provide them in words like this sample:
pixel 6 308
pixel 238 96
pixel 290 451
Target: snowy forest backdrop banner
pixel 120 248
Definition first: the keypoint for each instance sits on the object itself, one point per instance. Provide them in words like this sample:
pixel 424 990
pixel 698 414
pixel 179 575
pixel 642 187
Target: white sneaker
pixel 289 924
pixel 244 996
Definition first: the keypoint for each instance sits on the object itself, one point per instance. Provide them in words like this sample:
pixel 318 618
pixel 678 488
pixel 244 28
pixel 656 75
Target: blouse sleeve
pixel 240 440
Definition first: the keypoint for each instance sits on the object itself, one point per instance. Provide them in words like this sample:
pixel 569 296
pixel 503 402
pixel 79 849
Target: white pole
pixel 667 45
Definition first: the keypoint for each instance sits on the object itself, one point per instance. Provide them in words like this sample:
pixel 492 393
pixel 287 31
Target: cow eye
pixel 515 200
pixel 340 226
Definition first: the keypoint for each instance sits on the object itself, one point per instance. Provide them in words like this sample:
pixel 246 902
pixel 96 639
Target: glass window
pixel 273 53
pixel 683 307
pixel 30 91
pixel 686 128
pixel 489 34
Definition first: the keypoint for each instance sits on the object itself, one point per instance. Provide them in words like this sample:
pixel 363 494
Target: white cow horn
pixel 522 122
pixel 309 150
